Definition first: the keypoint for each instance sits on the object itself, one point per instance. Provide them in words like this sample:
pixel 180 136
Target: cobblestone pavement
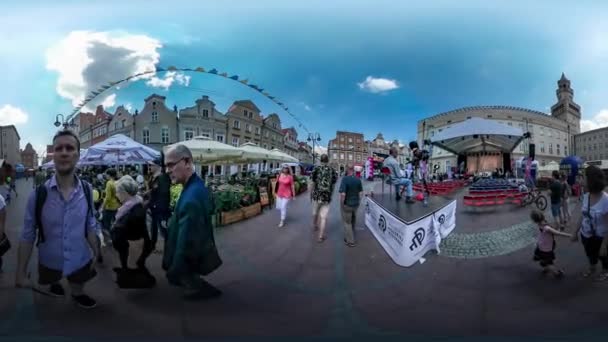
pixel 279 282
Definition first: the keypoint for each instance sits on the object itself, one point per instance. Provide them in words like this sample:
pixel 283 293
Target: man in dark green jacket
pixel 190 250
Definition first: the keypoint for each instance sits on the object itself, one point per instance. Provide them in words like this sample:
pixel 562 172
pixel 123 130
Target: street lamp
pixel 314 137
pixel 65 124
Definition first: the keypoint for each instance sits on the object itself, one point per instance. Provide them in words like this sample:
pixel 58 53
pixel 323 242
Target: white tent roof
pixel 478 135
pixel 208 151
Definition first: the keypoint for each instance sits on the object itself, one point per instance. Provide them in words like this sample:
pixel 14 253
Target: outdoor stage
pixel 408 231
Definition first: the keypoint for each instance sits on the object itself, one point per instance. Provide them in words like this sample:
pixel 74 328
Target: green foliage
pixel 176 191
pixel 227 200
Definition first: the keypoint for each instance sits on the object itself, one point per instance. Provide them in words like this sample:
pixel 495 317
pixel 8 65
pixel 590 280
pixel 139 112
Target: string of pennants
pixel 93 94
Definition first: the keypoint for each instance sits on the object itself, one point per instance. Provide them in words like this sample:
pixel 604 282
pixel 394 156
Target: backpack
pixel 41 193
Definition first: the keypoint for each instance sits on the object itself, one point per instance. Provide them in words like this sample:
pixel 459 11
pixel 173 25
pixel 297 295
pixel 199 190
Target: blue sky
pixel 429 56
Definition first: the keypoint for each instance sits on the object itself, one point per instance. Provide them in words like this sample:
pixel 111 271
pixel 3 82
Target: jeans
pixel 349 219
pixel 399 182
pixel 157 217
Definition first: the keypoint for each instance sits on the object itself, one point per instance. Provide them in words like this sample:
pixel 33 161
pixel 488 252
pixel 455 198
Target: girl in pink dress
pixel 284 191
pixel 545 244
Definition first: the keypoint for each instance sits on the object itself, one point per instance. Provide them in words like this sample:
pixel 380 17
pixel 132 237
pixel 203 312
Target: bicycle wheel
pixel 541 203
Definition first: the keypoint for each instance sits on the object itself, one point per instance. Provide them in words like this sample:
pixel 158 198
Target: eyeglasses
pixel 171 165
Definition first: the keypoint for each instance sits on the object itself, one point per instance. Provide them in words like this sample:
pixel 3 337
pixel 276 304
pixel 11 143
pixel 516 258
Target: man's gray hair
pixel 127 185
pixel 180 151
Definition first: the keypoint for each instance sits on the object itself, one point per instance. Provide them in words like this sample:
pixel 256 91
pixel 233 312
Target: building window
pixel 116 125
pixel 235 141
pixel 145 136
pixel 188 134
pixel 558 150
pixel 236 124
pixel 205 113
pixel 123 123
pixel 350 157
pixel 274 125
pixel 542 131
pixel 245 113
pixel 251 115
pixel 257 130
pixel 266 134
pixel 341 156
pixel 154 117
pixel 219 137
pixel 247 128
pixel 542 147
pixel 550 148
pixel 350 140
pixel 164 135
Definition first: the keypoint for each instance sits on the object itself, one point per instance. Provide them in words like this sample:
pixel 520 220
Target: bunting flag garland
pixel 94 94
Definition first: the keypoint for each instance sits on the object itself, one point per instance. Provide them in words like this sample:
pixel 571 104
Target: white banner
pixel 408 243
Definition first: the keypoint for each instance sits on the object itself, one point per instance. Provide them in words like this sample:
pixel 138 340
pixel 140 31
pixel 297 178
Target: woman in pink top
pixel 284 190
pixel 545 244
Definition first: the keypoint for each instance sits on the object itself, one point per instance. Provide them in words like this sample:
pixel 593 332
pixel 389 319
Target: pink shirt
pixel 545 239
pixel 284 183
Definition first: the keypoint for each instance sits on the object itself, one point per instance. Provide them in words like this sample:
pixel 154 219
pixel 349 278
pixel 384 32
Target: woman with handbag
pixel 284 190
pixel 593 225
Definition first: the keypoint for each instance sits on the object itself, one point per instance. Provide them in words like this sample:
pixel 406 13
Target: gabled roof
pixel 247 104
pixel 155 96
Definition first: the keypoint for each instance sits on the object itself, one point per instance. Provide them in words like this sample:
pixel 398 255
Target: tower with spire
pixel 566 109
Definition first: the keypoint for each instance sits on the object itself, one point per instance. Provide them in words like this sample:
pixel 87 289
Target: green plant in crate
pixel 227 200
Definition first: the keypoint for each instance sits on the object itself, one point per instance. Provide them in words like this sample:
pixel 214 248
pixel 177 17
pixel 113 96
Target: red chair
pixel 500 199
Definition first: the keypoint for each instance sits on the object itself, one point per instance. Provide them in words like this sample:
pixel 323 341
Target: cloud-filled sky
pixel 364 66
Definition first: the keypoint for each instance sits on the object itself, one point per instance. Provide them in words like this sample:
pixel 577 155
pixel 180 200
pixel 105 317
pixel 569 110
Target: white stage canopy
pixel 478 135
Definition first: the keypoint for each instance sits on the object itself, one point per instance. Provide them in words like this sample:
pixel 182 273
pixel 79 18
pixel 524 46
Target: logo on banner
pixel 441 219
pixel 382 223
pixel 419 235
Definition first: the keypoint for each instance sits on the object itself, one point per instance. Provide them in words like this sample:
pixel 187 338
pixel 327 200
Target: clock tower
pixel 567 110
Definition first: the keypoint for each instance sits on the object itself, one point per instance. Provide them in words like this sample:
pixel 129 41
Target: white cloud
pixel 168 80
pixel 109 102
pixel 10 115
pixel 129 107
pixel 87 60
pixel 320 149
pixel 377 85
pixel 597 121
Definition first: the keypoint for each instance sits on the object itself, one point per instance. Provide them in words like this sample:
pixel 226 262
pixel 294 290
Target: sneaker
pixel 281 224
pixel 84 301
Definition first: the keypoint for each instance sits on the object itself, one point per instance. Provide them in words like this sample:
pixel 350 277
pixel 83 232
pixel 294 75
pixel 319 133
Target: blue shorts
pixel 556 209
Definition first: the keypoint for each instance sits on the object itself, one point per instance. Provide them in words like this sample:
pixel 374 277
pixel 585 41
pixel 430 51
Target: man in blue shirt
pixel 70 229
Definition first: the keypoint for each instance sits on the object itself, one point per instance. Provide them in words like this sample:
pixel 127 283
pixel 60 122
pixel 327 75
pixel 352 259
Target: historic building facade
pixel 290 142
pixel 29 157
pixel 156 125
pixel 244 123
pixel 272 133
pixel 347 149
pixel 122 122
pixel 203 119
pixel 553 136
pixel 10 144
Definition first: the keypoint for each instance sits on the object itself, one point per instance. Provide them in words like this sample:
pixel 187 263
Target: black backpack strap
pixel 41 193
pixel 86 188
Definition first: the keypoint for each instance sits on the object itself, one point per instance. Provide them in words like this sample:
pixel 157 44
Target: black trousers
pixel 120 242
pixel 157 217
pixel 48 276
pixel 592 249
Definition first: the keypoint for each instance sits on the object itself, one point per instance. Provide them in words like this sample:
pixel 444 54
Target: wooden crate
pixel 229 217
pixel 252 210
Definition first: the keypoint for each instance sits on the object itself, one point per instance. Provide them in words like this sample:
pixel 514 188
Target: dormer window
pixel 245 113
pixel 154 105
pixel 205 113
pixel 154 117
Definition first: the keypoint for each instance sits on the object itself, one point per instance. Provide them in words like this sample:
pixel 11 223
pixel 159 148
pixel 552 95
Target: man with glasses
pixel 190 250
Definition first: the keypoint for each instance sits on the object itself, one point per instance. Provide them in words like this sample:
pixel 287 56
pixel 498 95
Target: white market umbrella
pixel 118 150
pixel 254 153
pixel 280 156
pixel 208 151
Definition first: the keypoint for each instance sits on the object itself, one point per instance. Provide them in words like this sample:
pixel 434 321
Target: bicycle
pixel 535 196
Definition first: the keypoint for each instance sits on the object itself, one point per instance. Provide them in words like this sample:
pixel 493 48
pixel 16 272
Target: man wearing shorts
pixel 324 178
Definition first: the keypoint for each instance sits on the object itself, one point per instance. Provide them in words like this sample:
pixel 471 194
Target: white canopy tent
pixel 118 150
pixel 207 151
pixel 280 156
pixel 478 135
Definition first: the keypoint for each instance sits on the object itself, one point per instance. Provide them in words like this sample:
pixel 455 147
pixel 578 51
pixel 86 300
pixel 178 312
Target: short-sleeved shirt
pixel 324 177
pixel 594 218
pixel 351 187
pixel 556 192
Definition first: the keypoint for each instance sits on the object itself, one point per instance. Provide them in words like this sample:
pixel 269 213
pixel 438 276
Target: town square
pixel 314 170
